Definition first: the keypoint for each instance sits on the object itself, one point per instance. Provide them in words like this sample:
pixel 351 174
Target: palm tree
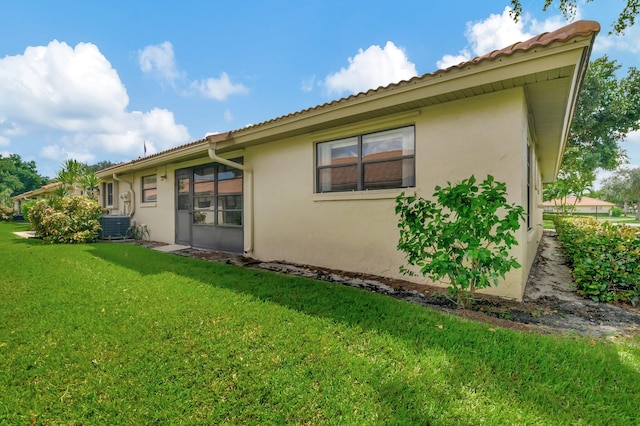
pixel 75 175
pixel 70 174
pixel 89 182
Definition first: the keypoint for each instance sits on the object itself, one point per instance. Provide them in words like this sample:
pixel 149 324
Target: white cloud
pixel 61 153
pixel 497 32
pixel 159 61
pixel 228 117
pixel 308 84
pixel 370 69
pixel 218 88
pixel 72 98
pixel 60 87
pixel 627 43
pixel 451 60
pixel 4 141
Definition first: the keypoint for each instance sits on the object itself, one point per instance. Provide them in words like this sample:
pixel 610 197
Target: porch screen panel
pixel 203 195
pixel 184 194
pixel 229 196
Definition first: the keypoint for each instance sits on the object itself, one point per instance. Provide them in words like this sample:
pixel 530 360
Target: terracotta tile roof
pixel 42 190
pixel 584 202
pixel 147 157
pixel 575 29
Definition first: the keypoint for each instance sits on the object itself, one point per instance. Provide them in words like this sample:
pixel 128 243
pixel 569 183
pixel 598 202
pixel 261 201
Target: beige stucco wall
pixel 358 231
pixel 158 216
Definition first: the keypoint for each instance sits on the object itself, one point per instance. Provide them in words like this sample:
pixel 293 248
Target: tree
pixel 623 186
pixel 608 109
pixel 626 18
pixel 75 175
pixel 18 176
pixel 464 236
pixel 100 165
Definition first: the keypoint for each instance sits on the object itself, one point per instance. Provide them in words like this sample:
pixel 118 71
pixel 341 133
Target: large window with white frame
pixel 370 161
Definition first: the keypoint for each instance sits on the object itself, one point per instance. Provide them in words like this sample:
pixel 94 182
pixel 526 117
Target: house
pixel 584 205
pixel 318 186
pixel 36 194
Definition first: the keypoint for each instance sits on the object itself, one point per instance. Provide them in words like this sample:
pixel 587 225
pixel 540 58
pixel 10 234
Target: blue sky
pixel 97 80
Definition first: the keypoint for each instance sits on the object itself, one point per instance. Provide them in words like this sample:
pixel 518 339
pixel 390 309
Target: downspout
pixel 248 196
pixel 133 193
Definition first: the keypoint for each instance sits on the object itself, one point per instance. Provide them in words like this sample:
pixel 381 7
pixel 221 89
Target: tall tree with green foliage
pixel 608 109
pixel 623 187
pixel 18 176
pixel 100 165
pixel 626 18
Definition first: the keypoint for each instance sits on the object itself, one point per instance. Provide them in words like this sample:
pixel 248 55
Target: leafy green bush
pixel 6 213
pixel 464 236
pixel 74 219
pixel 25 207
pixel 616 212
pixel 605 258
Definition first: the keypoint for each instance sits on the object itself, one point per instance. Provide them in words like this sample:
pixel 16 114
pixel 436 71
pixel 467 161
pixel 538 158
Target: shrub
pixel 616 212
pixel 74 219
pixel 6 213
pixel 25 207
pixel 464 236
pixel 605 258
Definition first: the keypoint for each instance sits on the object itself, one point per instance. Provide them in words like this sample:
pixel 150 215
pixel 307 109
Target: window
pixel 107 194
pixel 149 189
pixel 371 161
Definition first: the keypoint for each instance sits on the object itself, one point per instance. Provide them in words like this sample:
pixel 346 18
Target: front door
pixel 209 211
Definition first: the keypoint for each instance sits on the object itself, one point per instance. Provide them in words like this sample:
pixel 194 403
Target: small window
pixel 373 161
pixel 107 194
pixel 149 189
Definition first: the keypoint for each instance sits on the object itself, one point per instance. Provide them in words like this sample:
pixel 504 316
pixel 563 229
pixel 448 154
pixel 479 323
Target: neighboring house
pixel 318 186
pixel 36 194
pixel 42 192
pixel 575 205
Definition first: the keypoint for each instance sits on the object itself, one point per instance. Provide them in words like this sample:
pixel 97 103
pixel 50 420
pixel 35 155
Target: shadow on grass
pixel 590 386
pixel 547 377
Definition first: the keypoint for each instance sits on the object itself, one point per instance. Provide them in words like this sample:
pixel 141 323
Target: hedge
pixel 605 258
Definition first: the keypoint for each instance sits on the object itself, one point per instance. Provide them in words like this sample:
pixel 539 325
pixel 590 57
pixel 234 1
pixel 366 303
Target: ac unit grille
pixel 114 227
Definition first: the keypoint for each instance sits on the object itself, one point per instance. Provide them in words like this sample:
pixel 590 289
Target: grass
pixel 119 334
pixel 548 223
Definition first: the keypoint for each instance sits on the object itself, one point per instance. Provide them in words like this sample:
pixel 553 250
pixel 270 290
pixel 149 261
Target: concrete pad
pixel 171 247
pixel 26 234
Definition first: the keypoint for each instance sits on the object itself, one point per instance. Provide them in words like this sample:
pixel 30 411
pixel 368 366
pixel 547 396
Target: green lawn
pixel 107 334
pixel 624 220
